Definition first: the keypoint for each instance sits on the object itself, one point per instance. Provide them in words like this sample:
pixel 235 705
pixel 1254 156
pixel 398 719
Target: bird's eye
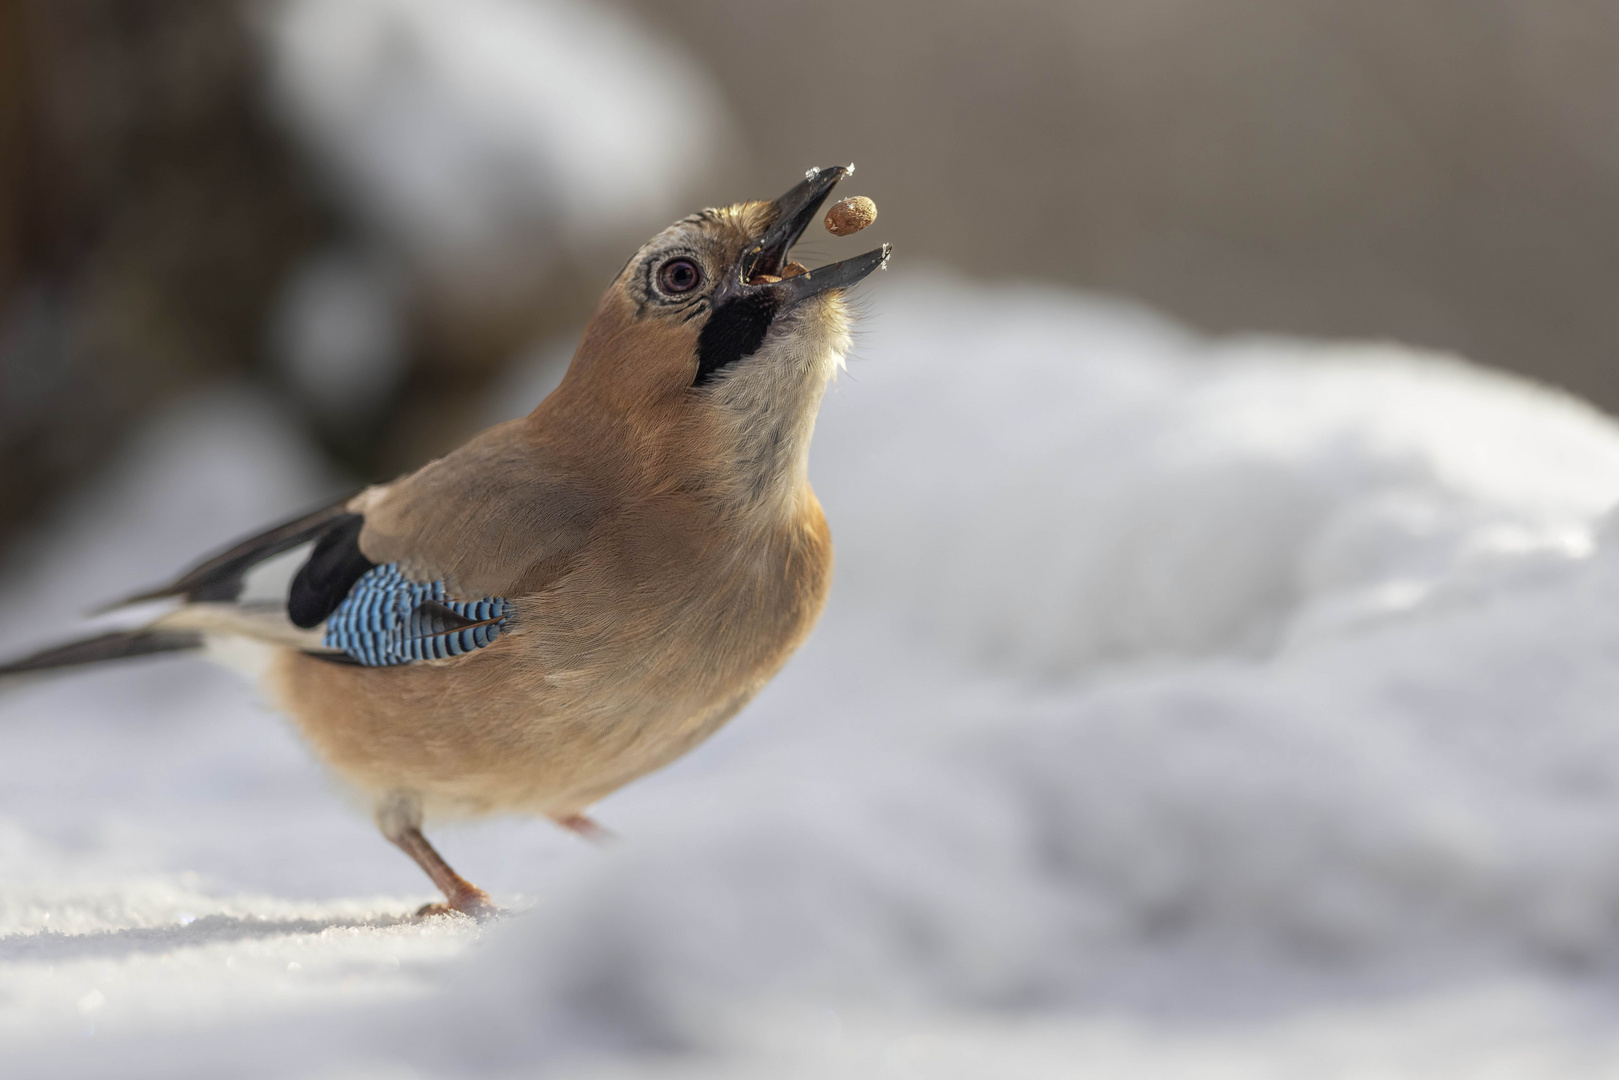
pixel 679 276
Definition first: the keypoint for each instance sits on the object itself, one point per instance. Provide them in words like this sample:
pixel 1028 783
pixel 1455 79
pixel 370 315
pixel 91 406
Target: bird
pixel 571 599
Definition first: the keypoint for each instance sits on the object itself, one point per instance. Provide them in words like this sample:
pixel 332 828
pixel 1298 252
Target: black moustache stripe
pixel 736 329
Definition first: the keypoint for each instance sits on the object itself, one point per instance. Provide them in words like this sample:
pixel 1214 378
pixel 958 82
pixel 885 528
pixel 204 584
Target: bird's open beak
pixel 760 268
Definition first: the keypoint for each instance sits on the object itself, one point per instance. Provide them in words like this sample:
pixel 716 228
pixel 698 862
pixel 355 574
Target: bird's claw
pixel 474 903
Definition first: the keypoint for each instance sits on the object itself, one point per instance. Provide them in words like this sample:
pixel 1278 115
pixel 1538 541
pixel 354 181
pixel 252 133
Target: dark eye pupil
pixel 679 276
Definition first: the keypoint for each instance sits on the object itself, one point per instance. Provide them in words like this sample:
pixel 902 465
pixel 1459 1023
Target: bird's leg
pixel 460 894
pixel 400 818
pixel 587 828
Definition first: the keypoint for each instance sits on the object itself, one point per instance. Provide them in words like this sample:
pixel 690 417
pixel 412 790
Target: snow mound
pixel 1050 484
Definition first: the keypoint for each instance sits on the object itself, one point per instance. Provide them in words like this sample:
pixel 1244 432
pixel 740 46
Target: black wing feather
pixel 220 577
pixel 333 568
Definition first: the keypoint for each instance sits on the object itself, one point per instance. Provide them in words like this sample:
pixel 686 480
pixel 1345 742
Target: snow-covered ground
pixel 1183 709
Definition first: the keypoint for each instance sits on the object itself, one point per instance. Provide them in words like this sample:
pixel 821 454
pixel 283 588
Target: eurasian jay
pixel 572 599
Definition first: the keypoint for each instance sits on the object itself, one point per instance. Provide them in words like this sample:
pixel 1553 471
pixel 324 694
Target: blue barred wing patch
pixel 387 619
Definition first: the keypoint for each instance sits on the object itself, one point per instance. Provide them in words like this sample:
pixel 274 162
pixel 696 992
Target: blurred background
pixel 372 208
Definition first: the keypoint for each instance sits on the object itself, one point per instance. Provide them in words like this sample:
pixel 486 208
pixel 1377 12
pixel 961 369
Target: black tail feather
pixel 119 645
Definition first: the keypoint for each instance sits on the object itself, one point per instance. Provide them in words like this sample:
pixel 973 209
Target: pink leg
pixel 585 827
pixel 400 820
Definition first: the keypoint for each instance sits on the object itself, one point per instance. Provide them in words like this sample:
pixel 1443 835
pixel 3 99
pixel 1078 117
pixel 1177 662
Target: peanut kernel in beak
pixel 849 216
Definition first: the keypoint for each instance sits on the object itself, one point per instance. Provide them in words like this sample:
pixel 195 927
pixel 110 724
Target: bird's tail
pixel 118 645
pixel 190 627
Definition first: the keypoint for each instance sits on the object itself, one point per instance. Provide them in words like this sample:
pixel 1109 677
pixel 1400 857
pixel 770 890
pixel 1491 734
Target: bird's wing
pixel 221 577
pixel 498 517
pixel 422 568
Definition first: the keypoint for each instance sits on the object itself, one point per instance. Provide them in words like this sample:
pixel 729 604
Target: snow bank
pixel 1050 484
pixel 1181 706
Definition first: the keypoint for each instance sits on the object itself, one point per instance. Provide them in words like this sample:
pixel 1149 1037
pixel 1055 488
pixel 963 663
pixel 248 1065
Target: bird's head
pixel 711 343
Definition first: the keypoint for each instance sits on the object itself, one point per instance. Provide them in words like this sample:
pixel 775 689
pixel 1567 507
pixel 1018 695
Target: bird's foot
pixel 472 902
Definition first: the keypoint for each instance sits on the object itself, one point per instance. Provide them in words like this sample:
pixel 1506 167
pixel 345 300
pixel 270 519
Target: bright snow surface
pixel 1183 709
